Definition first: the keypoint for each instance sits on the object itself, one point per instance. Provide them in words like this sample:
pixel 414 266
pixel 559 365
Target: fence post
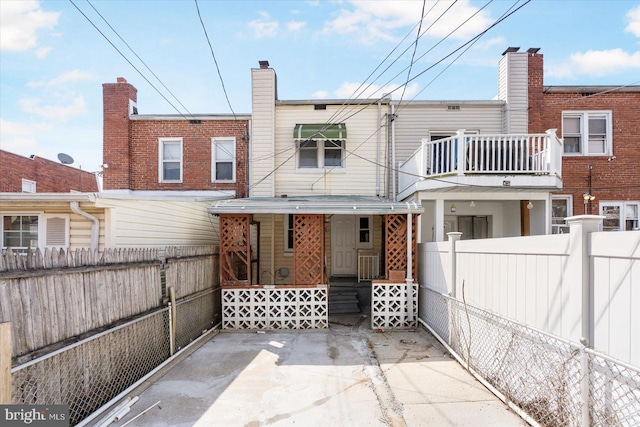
pixel 580 227
pixel 172 322
pixel 454 236
pixel 5 363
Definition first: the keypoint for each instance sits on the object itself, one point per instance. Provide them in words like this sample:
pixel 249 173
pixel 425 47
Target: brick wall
pixel 611 179
pixel 50 176
pixel 116 99
pixel 196 152
pixel 131 147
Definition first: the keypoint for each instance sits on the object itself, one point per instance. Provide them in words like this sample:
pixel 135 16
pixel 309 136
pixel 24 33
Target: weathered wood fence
pixel 53 296
pixel 85 326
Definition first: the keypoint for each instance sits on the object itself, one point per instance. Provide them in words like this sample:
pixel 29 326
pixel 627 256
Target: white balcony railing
pixel 465 154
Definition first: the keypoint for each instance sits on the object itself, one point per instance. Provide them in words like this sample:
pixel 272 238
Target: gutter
pixel 95 223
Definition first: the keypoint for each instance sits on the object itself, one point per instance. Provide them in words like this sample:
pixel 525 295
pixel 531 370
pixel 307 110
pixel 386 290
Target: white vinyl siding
pixel 587 132
pixel 170 160
pixel 513 87
pixel 421 120
pixel 159 223
pixel 223 164
pixel 359 177
pixel 262 159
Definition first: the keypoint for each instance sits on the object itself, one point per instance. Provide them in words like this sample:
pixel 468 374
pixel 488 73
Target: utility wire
pixel 224 89
pixel 137 56
pixel 142 75
pixel 415 48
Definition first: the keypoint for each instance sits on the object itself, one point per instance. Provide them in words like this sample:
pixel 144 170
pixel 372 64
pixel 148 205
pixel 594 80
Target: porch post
pixel 438 221
pixel 409 279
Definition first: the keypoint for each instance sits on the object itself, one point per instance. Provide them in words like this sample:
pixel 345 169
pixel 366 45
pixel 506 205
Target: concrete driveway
pixel 348 375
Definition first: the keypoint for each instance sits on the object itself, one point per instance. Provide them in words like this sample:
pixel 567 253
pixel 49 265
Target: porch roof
pixel 331 205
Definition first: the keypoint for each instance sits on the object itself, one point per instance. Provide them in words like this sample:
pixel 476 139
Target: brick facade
pixel 49 176
pixel 131 146
pixel 604 176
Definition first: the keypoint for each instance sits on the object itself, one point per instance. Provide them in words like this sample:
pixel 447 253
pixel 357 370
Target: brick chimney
pixel 119 101
pixel 535 91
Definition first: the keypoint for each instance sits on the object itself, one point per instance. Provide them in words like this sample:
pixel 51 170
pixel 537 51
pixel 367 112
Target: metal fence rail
pixel 91 372
pixel 555 382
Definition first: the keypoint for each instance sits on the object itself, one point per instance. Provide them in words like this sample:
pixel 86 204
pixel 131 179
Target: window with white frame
pixel 20 231
pixel 28 230
pixel 28 186
pixel 318 153
pixel 170 161
pixel 561 209
pixel 587 133
pixel 288 234
pixel 223 159
pixel 620 216
pixel 365 232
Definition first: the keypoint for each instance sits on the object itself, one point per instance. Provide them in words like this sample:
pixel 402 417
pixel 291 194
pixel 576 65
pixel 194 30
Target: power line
pixel 137 56
pixel 415 48
pixel 224 89
pixel 141 74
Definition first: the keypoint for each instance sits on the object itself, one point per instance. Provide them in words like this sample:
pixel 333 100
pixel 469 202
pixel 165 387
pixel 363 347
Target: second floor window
pixel 587 133
pixel 223 159
pixel 170 165
pixel 320 145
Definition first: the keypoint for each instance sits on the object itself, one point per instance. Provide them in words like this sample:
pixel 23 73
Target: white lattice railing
pixel 390 306
pixel 275 307
pixel 368 266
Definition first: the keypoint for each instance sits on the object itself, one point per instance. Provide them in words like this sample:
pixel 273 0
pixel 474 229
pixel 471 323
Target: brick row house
pixel 300 194
pixel 160 173
pixel 599 126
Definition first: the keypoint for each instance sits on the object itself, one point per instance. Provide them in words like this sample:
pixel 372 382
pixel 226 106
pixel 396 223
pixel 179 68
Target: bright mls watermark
pixel 34 415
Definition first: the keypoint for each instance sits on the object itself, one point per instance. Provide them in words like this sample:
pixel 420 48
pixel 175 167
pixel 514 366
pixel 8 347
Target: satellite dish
pixel 65 159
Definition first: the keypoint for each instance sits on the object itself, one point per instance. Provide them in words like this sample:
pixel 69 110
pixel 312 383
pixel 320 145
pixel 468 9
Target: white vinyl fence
pixel 585 284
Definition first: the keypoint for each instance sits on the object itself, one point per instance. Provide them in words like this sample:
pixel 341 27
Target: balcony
pixel 509 160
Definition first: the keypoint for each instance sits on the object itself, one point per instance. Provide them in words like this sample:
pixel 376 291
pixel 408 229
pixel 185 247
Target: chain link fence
pixel 553 381
pixel 89 373
pixel 190 323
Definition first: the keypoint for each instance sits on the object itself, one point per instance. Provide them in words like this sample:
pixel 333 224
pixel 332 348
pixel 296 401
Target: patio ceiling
pixel 330 205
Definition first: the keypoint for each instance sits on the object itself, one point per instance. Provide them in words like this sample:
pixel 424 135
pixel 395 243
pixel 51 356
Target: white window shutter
pixel 57 232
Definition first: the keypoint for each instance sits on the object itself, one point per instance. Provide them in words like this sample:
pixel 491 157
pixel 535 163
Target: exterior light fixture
pixel 588 198
pixel 472 204
pixel 529 205
pixel 453 207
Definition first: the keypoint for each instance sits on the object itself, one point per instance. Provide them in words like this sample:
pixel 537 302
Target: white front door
pixel 343 245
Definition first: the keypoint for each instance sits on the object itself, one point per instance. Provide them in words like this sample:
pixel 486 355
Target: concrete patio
pixel 348 375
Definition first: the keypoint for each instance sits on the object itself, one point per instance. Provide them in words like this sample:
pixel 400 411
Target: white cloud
pixel 20 22
pixel 374 21
pixel 16 137
pixel 54 112
pixel 351 89
pixel 295 25
pixel 264 26
pixel 597 63
pixel 633 16
pixel 321 94
pixel 69 76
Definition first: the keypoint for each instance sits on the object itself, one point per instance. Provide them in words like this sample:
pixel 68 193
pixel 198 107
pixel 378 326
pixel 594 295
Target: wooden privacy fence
pixel 55 296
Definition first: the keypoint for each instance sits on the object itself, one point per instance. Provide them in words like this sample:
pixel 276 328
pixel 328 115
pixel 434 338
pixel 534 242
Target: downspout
pixel 378 147
pixel 393 152
pixel 95 224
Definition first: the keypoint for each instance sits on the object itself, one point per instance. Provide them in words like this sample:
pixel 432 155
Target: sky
pixel 56 54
